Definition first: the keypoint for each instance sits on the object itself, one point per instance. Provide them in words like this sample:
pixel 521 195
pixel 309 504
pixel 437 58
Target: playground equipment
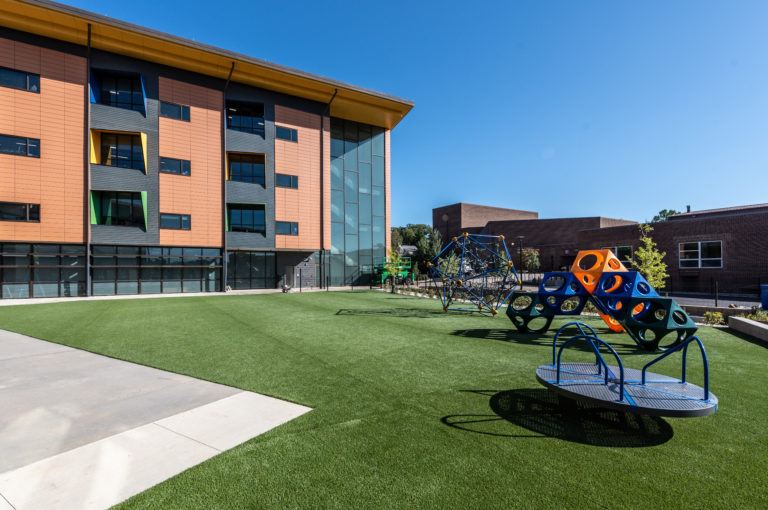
pixel 623 388
pixel 388 271
pixel 623 299
pixel 475 268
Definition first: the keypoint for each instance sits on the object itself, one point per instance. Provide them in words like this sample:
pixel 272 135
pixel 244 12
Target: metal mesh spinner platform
pixel 659 396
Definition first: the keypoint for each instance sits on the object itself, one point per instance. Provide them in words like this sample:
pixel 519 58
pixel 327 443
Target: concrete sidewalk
pixel 79 430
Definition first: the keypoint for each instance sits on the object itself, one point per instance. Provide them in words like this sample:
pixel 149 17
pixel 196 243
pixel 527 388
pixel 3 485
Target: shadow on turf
pixel 550 416
pixel 398 312
pixel 512 335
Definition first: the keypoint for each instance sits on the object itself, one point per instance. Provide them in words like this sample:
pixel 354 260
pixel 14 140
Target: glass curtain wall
pixel 357 201
pixel 41 270
pixel 251 270
pixel 150 270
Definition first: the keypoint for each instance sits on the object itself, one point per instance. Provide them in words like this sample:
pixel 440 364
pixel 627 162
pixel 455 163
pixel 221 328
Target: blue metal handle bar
pixel 684 347
pixel 591 341
pixel 559 331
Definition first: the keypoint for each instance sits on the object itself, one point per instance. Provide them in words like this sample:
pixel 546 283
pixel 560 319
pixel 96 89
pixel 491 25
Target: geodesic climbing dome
pixel 474 272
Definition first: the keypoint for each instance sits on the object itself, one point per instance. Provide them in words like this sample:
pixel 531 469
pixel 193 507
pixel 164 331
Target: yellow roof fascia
pixel 62 22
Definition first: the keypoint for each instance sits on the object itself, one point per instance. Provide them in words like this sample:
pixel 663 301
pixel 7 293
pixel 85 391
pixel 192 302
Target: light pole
pixel 520 251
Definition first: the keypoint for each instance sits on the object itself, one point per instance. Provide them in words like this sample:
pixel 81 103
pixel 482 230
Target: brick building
pixel 454 219
pixel 723 247
pixel 726 247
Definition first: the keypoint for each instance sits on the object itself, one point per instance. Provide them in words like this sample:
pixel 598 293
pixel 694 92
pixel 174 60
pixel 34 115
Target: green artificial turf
pixel 416 408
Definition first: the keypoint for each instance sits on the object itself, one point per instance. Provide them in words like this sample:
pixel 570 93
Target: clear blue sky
pixel 567 108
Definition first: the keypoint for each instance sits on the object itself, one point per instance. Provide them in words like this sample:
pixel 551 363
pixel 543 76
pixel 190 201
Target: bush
pixel 713 318
pixel 757 314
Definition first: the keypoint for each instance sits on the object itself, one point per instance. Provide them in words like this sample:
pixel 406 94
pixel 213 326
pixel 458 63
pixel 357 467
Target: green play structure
pixel 391 271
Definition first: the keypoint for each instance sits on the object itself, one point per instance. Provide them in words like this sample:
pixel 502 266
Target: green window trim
pixel 94 218
pixel 144 206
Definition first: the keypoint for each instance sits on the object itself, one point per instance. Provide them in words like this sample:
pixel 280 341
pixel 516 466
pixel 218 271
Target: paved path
pixel 79 430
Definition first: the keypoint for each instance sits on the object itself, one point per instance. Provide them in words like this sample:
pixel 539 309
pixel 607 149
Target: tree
pixel 411 233
pixel 427 248
pixel 393 264
pixel 664 215
pixel 397 238
pixel 530 260
pixel 648 260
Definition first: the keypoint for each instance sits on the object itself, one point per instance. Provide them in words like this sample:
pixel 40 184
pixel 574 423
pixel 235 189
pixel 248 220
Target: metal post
pixel 716 292
pixel 300 282
pixel 520 251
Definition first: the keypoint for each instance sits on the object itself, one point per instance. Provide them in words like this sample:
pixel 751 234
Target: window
pixel 175 221
pixel 286 181
pixel 246 117
pixel 287 228
pixel 251 270
pixel 12 211
pixel 174 166
pixel 122 150
pixel 284 133
pixel 120 91
pixel 19 80
pixel 246 218
pixel 623 253
pixel 122 208
pixel 20 146
pixel 174 111
pixel 702 254
pixel 246 168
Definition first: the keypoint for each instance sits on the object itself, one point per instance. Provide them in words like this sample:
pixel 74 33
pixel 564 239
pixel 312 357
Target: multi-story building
pixel 133 161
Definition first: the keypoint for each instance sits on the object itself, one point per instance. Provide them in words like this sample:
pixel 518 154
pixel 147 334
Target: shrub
pixel 713 318
pixel 757 314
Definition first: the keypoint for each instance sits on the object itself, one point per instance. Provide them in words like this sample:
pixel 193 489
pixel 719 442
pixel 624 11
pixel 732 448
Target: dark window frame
pixel 164 265
pixel 183 111
pixel 181 218
pixel 30 211
pixel 106 155
pixel 31 146
pixel 282 131
pixel 185 166
pixel 252 177
pixel 112 96
pixel 133 219
pixel 293 181
pixel 253 227
pixel 292 227
pixel 29 80
pixel 245 117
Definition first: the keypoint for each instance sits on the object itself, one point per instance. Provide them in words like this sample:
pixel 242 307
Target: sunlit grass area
pixel 414 407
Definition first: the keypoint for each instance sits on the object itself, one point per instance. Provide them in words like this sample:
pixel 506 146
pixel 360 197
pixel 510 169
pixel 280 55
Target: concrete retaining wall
pixel 749 327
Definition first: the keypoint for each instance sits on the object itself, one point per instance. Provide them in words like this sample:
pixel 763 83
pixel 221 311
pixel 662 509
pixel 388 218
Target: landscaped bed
pixel 414 407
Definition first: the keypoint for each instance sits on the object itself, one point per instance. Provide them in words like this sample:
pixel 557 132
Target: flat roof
pixel 723 211
pixel 66 23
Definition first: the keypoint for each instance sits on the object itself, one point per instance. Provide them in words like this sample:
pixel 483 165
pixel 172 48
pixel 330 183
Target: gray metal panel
pixel 109 234
pixel 248 193
pixel 305 267
pixel 108 178
pixel 248 240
